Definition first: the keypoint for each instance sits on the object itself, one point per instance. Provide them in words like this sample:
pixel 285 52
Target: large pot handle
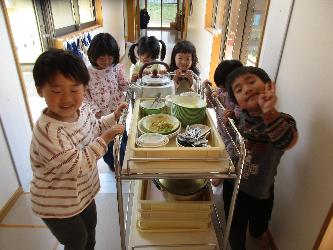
pixel 157 184
pixel 152 63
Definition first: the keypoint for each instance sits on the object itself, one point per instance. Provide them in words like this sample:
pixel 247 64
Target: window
pixel 215 9
pixel 62 17
pixel 243 30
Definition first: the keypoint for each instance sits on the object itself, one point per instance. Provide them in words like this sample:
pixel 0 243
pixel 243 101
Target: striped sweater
pixel 266 139
pixel 64 163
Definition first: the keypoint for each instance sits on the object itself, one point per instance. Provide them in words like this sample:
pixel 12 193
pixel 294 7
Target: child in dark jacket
pixel 268 133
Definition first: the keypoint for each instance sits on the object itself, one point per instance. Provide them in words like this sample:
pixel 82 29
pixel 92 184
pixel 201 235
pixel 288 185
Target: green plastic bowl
pixel 150 108
pixel 188 110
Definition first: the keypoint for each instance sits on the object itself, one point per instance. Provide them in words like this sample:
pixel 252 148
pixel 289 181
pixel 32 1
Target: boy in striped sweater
pixel 268 134
pixel 66 144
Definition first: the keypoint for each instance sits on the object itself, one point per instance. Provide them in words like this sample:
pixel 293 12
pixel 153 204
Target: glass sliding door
pixel 162 13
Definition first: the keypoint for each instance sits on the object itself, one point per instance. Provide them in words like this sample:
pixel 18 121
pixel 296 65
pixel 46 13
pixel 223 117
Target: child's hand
pixel 207 83
pixel 268 99
pixel 119 110
pixel 216 182
pixel 189 74
pixel 98 115
pixel 163 71
pixel 227 113
pixel 178 73
pixel 134 77
pixel 110 134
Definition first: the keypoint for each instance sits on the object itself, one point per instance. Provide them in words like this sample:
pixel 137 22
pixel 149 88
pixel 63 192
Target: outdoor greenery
pixel 168 15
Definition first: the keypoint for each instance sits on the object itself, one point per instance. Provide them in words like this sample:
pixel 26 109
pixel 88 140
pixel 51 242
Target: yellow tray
pixel 173 226
pixel 146 204
pixel 215 151
pixel 174 215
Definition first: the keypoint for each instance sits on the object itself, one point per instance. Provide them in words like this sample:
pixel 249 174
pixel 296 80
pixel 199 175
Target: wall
pixel 201 38
pixel 272 45
pixel 8 180
pixel 113 21
pixel 13 113
pixel 304 184
pixel 25 30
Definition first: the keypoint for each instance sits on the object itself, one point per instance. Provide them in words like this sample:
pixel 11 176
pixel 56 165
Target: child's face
pixel 145 58
pixel 63 97
pixel 104 61
pixel 246 90
pixel 183 61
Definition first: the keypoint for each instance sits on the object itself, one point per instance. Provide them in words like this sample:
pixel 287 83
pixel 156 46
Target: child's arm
pixel 106 122
pixel 89 100
pixel 57 151
pixel 189 76
pixel 134 72
pixel 56 154
pixel 280 127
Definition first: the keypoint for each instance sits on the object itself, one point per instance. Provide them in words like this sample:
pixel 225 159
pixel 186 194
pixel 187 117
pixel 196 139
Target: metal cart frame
pixel 126 174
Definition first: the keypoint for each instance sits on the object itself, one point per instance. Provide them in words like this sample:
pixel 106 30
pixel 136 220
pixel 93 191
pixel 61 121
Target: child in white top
pixel 148 50
pixel 66 144
pixel 107 84
pixel 184 63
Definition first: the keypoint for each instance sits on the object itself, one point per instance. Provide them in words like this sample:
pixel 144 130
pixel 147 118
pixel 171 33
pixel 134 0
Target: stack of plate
pixel 152 140
pixel 161 124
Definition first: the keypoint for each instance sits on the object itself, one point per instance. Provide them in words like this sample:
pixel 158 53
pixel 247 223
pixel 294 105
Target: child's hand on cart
pixel 216 182
pixel 121 107
pixel 227 113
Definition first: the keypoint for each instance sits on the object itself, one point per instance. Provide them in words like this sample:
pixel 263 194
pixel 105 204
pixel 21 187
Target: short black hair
pixel 223 70
pixel 103 44
pixel 185 47
pixel 147 45
pixel 55 61
pixel 259 72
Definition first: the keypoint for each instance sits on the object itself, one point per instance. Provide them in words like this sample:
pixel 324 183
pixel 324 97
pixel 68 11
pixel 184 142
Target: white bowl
pixel 152 140
pixel 157 123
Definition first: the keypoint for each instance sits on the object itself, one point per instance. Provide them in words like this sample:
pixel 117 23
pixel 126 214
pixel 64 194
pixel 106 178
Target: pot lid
pixel 155 79
pixel 182 186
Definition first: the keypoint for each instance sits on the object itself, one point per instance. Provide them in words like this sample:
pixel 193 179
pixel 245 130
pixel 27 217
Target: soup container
pixel 188 109
pixel 149 107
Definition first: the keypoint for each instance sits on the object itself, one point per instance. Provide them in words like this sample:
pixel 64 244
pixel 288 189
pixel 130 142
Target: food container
pixel 159 123
pixel 150 107
pixel 181 189
pixel 154 84
pixel 188 109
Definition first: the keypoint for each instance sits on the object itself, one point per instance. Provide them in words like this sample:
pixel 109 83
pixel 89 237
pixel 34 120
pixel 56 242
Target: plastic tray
pixel 145 204
pixel 173 226
pixel 214 151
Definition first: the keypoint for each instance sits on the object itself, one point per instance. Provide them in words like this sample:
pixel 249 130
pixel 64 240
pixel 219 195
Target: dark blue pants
pixel 77 232
pixel 108 157
pixel 249 211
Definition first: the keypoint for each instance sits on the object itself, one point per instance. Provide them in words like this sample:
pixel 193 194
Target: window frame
pixel 244 28
pixel 52 32
pixel 76 16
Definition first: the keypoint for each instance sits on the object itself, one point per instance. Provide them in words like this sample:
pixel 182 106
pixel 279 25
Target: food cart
pixel 174 162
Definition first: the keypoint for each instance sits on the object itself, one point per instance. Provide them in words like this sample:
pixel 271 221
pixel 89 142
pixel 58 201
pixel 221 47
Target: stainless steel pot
pixel 181 189
pixel 154 84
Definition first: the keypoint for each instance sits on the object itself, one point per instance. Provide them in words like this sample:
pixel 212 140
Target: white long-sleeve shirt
pixel 64 163
pixel 106 88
